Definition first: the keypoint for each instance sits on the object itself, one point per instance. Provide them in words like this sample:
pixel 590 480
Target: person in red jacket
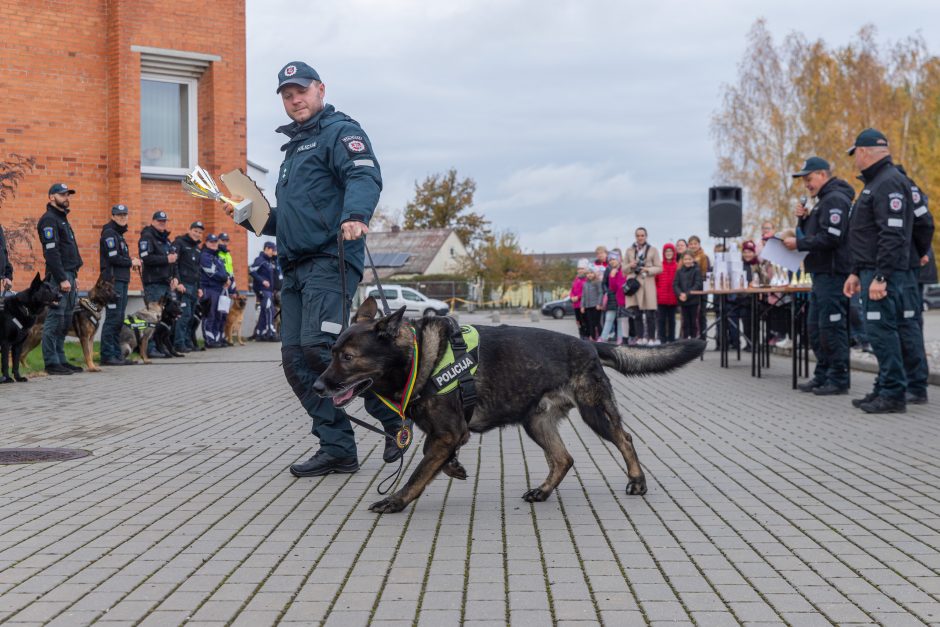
pixel 666 302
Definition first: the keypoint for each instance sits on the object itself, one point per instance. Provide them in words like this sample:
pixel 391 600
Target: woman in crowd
pixel 644 263
pixel 704 266
pixel 681 247
pixel 666 301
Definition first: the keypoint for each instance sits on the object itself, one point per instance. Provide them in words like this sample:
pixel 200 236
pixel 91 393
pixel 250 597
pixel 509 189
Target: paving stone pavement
pixel 765 506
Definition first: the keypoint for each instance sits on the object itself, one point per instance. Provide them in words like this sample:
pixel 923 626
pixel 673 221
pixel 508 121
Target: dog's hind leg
pixel 439 448
pixel 543 428
pixel 605 420
pixel 88 350
pixel 16 364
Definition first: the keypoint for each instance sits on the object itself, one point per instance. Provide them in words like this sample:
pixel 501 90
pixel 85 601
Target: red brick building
pixel 117 99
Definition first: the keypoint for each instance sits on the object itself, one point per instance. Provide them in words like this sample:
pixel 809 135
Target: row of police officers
pixel 877 244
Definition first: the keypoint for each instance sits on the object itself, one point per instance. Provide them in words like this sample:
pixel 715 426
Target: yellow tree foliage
pixel 802 98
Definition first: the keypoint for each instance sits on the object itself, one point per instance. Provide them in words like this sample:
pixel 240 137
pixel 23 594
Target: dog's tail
pixel 654 360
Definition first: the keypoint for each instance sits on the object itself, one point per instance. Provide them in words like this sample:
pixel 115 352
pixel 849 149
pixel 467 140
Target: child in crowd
pixel 592 303
pixel 666 301
pixel 577 287
pixel 614 279
pixel 689 279
pixel 704 265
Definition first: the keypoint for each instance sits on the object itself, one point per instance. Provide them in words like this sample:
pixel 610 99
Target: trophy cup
pixel 199 183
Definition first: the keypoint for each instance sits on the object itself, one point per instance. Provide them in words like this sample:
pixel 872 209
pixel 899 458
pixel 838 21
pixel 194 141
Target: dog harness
pixel 455 370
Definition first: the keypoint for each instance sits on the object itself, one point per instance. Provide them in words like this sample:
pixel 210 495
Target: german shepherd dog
pixel 86 318
pixel 132 339
pixel 525 376
pixel 233 321
pixel 18 315
pixel 163 334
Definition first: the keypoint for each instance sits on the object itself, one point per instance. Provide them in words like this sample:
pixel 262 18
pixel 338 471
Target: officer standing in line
pixel 158 257
pixel 6 268
pixel 187 273
pixel 822 232
pixel 62 263
pixel 214 281
pixel 226 256
pixel 329 183
pixel 263 272
pixel 880 227
pixel 115 263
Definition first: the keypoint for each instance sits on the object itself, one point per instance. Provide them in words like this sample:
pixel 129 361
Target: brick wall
pixel 70 88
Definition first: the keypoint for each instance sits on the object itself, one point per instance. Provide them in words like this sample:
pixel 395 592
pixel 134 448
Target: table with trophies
pixel 767 293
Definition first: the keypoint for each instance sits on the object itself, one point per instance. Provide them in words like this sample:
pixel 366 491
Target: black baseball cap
pixel 119 210
pixel 296 73
pixel 867 138
pixel 270 244
pixel 197 225
pixel 223 236
pixel 160 216
pixel 812 164
pixel 60 188
pixel 212 237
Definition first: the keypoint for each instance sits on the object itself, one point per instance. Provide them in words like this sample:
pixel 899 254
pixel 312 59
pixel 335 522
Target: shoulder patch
pixel 109 242
pixel 895 203
pixel 355 144
pixel 48 232
pixel 835 216
pixel 915 194
pixel 144 244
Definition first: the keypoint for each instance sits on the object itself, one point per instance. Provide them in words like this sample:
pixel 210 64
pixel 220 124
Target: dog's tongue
pixel 339 399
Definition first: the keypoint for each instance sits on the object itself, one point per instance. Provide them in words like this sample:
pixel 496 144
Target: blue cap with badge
pixel 212 237
pixel 160 216
pixel 296 73
pixel 60 188
pixel 119 210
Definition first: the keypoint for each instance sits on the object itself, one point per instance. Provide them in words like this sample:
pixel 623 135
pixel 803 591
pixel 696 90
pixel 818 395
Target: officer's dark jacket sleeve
pixel 357 170
pixel 49 239
pixel 922 235
pixel 6 268
pixel 270 227
pixel 893 248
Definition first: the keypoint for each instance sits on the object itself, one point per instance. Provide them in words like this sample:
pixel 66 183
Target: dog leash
pixel 403 437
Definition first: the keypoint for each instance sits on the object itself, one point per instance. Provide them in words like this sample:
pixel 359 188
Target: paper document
pixel 257 211
pixel 775 252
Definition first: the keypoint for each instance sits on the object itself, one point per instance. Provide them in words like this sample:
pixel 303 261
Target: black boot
pixel 830 390
pixel 857 402
pixel 324 464
pixel 809 386
pixel 883 405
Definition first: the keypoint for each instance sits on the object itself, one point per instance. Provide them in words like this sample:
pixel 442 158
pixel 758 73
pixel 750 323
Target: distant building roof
pixel 418 247
pixel 554 257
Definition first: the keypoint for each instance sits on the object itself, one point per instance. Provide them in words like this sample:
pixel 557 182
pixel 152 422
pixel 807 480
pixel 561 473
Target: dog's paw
pixel 455 469
pixel 388 505
pixel 536 495
pixel 94 369
pixel 637 487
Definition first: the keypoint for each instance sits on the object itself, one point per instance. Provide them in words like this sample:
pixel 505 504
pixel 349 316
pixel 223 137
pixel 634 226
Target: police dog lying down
pixel 524 376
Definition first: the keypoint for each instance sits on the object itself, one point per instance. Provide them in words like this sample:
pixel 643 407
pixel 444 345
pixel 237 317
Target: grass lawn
pixel 73 351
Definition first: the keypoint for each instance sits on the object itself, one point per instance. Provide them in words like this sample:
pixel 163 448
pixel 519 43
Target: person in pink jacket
pixel 577 287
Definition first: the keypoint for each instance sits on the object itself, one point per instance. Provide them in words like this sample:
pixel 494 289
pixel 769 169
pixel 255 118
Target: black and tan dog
pixel 526 376
pixel 88 315
pixel 18 315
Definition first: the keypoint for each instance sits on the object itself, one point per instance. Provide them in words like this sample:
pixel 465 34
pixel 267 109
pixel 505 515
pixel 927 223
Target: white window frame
pixel 163 172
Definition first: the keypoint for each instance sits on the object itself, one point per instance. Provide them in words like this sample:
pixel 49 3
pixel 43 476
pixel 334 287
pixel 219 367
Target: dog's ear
pixel 389 325
pixel 367 310
pixel 36 284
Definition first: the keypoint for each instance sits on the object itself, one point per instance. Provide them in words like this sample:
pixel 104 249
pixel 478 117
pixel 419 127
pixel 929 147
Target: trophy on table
pixel 253 207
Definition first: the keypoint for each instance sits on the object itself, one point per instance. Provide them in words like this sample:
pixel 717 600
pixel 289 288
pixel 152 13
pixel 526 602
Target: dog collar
pixel 400 408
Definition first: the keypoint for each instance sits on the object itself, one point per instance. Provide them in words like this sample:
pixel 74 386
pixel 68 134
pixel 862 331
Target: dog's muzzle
pixel 344 394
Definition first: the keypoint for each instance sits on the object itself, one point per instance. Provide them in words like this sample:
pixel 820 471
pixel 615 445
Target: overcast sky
pixel 579 120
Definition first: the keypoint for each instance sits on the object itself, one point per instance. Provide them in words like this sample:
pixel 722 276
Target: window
pixel 168 125
pixel 412 296
pixel 390 293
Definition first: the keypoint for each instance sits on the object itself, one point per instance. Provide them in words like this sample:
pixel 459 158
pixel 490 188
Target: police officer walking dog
pixel 62 263
pixel 329 183
pixel 822 232
pixel 187 272
pixel 116 263
pixel 880 228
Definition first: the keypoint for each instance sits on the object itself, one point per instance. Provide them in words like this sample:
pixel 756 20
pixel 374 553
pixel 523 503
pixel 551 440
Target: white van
pixel 416 303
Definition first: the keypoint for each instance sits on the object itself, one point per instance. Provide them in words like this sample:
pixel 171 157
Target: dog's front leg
pixel 438 450
pixel 17 353
pixel 88 348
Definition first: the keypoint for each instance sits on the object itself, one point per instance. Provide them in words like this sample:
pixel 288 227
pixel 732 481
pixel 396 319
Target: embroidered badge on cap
pixel 290 70
pixel 48 232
